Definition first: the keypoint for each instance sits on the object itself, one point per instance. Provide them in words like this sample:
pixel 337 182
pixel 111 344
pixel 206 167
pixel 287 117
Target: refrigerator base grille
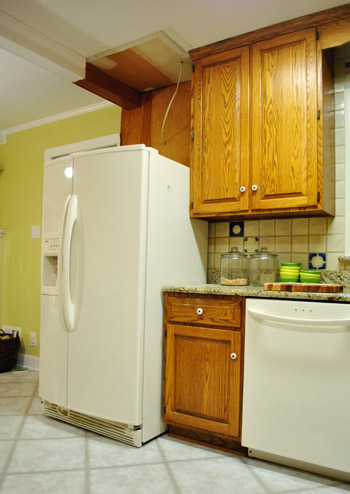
pixel 108 428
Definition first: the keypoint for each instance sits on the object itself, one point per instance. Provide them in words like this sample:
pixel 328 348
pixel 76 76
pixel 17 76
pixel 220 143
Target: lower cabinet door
pixel 203 378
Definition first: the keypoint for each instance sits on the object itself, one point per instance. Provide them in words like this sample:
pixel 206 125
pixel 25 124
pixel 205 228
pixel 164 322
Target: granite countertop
pixel 256 291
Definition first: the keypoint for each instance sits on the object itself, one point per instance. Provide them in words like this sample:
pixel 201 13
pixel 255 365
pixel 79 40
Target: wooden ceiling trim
pixel 110 89
pixel 311 20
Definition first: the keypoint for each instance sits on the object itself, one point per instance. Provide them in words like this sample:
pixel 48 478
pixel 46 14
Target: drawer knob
pixel 233 356
pixel 199 311
pixel 254 188
pixel 242 189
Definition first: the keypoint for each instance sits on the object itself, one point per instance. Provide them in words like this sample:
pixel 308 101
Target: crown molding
pixel 334 14
pixel 20 39
pixel 53 118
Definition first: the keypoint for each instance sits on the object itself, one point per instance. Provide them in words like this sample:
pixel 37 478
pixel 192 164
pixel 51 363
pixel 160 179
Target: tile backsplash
pixel 299 239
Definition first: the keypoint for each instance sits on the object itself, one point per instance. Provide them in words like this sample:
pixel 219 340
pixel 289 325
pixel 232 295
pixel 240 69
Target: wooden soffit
pixel 123 74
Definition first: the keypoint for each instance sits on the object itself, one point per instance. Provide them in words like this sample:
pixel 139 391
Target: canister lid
pixel 263 253
pixel 234 254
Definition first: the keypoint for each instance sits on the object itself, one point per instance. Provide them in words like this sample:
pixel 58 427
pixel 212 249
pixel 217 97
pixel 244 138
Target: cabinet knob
pixel 199 311
pixel 233 356
pixel 242 189
pixel 254 187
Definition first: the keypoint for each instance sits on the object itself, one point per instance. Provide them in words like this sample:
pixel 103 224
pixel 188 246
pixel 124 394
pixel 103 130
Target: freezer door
pixel 53 337
pixel 108 251
pixel 53 353
pixel 57 187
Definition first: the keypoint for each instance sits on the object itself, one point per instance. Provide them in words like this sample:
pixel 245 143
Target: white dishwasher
pixel 296 392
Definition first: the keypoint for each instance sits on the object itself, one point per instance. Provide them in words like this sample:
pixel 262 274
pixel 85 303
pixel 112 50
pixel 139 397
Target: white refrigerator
pixel 116 228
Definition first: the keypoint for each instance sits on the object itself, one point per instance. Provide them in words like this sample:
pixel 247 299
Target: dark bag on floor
pixel 9 346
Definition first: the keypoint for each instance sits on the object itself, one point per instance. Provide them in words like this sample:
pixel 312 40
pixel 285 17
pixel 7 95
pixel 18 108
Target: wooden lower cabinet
pixel 203 367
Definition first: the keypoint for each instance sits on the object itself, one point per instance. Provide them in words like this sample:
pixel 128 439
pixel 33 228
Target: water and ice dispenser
pixel 49 269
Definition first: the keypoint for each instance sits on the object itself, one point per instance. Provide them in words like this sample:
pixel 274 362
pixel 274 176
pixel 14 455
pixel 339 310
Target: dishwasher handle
pixel 308 322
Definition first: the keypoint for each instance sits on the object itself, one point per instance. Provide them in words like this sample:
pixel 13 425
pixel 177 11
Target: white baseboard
pixel 28 361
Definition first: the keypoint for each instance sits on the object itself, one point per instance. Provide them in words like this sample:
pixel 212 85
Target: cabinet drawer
pixel 204 310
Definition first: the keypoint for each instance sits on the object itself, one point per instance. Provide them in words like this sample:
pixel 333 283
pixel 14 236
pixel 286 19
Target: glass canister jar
pixel 263 267
pixel 234 268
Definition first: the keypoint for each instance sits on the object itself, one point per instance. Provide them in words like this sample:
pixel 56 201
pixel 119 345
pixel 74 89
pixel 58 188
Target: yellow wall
pixel 21 183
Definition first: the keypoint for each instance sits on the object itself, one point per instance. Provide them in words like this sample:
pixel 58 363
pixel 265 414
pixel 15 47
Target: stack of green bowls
pixel 310 276
pixel 289 272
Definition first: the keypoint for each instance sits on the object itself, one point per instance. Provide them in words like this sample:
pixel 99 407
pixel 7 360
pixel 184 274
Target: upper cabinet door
pixel 284 122
pixel 220 146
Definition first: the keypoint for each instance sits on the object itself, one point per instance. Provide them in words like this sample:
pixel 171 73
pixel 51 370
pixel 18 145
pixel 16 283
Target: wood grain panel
pixel 110 89
pixel 221 130
pixel 284 122
pixel 304 287
pixel 214 312
pixel 300 23
pixel 213 440
pixel 143 124
pixel 220 157
pixel 281 212
pixel 136 71
pixel 203 382
pixel 135 125
pixel 176 144
pixel 335 33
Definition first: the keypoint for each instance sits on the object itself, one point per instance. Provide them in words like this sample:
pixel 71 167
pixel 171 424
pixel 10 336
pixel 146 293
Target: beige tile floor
pixel 41 455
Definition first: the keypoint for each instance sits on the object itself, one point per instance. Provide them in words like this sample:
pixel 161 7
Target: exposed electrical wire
pixel 171 102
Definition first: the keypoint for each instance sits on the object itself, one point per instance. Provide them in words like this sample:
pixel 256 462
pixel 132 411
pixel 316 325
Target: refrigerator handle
pixel 67 304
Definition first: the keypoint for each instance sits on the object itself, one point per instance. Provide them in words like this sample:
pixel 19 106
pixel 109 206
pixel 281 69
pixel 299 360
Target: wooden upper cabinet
pixel 220 146
pixel 284 122
pixel 263 123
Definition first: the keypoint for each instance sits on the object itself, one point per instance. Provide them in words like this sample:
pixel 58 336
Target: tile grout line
pixel 259 481
pixel 16 438
pixel 46 438
pixel 168 469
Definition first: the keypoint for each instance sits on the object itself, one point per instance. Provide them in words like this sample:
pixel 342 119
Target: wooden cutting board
pixel 304 287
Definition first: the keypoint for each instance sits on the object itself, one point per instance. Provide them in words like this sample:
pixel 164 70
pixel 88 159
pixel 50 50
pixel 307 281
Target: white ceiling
pixel 31 90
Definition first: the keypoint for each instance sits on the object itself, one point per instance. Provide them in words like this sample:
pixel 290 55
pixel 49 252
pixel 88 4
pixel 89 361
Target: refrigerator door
pixel 53 337
pixel 108 257
pixel 176 254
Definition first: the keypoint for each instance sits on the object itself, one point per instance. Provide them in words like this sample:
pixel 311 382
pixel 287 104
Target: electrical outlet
pixel 9 329
pixel 32 339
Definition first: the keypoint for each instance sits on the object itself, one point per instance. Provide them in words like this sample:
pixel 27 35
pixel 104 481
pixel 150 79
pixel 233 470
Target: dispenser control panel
pixel 49 268
pixel 51 244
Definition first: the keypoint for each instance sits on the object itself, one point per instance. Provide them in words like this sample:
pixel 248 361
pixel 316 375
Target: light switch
pixel 36 231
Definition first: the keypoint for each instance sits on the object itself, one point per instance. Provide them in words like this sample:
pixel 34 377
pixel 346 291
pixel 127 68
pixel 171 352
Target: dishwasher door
pixel 296 393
